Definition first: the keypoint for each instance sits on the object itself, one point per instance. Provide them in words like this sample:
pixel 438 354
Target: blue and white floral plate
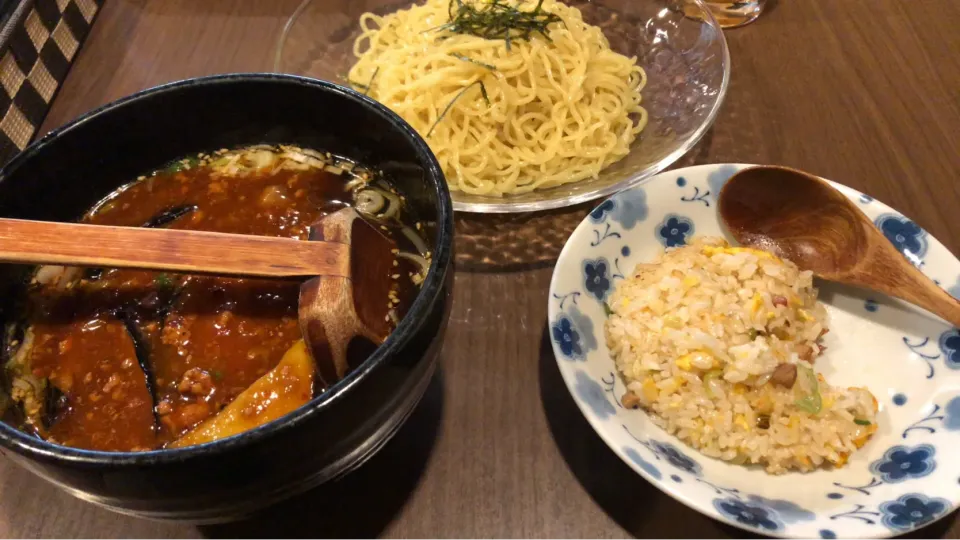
pixel 902 479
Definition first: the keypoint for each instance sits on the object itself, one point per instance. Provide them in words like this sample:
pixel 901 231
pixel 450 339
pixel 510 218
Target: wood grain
pixel 803 219
pixel 174 250
pixel 863 92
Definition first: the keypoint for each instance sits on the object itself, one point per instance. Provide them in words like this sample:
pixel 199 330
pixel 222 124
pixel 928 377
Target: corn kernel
pixel 757 252
pixel 691 281
pixel 696 360
pixel 672 321
pixel 741 421
pixel 763 404
pixel 713 250
pixel 649 390
pixel 868 431
pixel 804 315
pixel 740 389
pixel 755 303
pixel 669 386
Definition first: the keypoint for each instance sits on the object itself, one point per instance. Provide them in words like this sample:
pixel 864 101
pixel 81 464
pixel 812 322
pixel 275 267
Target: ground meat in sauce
pixel 208 338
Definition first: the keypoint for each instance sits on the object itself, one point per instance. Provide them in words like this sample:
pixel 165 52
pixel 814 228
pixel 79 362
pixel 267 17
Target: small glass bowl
pixel 677 42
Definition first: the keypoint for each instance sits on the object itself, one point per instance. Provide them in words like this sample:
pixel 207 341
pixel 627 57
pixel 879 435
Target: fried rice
pixel 717 344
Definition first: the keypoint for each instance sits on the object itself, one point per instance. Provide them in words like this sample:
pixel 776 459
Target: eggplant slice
pixel 141 346
pixel 169 215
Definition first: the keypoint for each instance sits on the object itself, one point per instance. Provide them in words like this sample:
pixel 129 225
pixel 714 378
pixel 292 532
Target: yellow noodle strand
pixel 559 111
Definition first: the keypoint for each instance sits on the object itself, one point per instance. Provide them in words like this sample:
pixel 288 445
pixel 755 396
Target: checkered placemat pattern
pixel 37 46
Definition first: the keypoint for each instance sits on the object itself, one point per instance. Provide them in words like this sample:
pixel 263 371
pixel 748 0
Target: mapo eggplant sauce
pixel 127 360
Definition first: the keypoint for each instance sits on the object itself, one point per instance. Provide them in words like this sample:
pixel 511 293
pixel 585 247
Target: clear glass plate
pixel 677 42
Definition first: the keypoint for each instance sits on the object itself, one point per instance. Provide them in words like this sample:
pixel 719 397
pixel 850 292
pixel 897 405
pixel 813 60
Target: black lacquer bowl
pixel 72 168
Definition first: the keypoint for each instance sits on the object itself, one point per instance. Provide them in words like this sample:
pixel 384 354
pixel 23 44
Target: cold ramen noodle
pixel 718 344
pixel 128 360
pixel 511 95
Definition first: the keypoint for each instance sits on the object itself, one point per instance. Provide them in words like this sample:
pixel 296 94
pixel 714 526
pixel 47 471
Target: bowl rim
pixel 431 289
pixel 493 205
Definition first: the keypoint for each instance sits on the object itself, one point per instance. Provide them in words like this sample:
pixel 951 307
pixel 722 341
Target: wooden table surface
pixel 865 92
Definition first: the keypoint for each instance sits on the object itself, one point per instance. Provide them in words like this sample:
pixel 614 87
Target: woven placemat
pixel 38 43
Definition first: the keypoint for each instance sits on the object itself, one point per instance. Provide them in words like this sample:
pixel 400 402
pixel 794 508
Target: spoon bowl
pixel 801 218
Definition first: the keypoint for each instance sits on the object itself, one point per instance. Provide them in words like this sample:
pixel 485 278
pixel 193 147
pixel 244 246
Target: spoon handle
pixel 197 252
pixel 894 276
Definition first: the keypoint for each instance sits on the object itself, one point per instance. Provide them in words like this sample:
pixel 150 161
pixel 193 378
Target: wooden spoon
pixel 801 218
pixel 346 297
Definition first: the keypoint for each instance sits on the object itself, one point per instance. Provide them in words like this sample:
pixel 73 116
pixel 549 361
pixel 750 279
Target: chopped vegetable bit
pixel 672 321
pixel 607 310
pixel 163 281
pixel 710 376
pixel 808 388
pixel 181 165
pixel 861 422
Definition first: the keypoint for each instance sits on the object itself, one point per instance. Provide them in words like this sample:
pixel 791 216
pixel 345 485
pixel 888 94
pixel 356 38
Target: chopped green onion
pixel 607 310
pixel 181 165
pixel 709 377
pixel 163 281
pixel 810 400
pixel 861 422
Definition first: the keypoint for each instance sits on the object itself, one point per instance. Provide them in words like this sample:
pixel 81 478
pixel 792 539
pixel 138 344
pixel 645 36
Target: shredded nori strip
pixel 472 61
pixel 366 87
pixel 483 92
pixel 498 20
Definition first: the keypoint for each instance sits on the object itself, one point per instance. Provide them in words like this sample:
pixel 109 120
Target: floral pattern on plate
pixel 911 362
pixel 905 235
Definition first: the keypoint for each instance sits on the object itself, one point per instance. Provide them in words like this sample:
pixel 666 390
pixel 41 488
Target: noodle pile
pixel 541 113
